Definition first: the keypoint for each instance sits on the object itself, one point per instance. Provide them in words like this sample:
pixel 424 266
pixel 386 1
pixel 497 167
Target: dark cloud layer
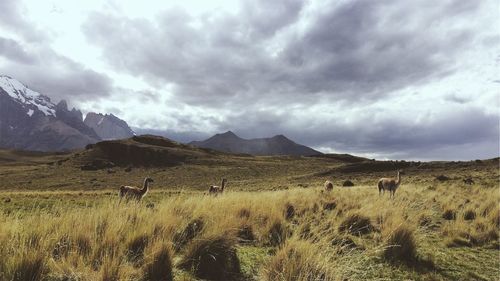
pixel 273 59
pixel 323 73
pixel 361 49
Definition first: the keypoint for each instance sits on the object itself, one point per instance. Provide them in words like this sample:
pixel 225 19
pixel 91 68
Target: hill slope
pixel 277 145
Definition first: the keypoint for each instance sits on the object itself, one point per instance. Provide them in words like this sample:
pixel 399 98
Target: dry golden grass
pixel 273 223
pixel 185 234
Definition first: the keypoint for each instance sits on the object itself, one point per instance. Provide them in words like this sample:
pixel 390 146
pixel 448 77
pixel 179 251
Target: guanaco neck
pixel 399 178
pixel 223 183
pixel 145 186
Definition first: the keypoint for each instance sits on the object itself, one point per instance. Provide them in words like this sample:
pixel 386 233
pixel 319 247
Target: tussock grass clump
pixel 159 267
pixel 297 260
pixel 110 271
pixel 244 213
pixel 356 224
pixel 449 214
pixel 495 218
pixel 212 258
pixel 469 215
pixel 289 211
pixel 344 244
pixel 331 205
pixel 62 247
pixel 192 229
pixel 136 246
pixel 277 233
pixel 400 245
pixel 424 220
pixel 30 267
pixel 245 234
pixel 83 245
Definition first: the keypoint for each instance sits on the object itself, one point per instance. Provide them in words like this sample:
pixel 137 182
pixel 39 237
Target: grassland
pixel 58 222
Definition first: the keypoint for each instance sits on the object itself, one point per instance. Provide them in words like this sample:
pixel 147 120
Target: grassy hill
pixel 275 222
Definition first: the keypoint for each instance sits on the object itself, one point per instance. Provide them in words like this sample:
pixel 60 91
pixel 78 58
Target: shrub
pixel 212 258
pixel 160 267
pixel 400 245
pixel 356 224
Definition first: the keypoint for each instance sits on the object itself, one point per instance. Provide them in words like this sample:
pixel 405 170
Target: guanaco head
pixel 148 180
pixel 401 172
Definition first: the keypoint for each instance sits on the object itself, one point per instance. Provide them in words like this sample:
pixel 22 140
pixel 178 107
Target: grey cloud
pixel 12 50
pixel 54 75
pixel 359 49
pixel 274 53
pixel 396 138
pixel 14 19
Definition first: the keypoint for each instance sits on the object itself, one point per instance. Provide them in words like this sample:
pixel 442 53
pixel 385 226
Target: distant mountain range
pixel 31 121
pixel 277 145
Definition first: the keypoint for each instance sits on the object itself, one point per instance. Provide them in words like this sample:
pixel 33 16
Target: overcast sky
pixel 383 79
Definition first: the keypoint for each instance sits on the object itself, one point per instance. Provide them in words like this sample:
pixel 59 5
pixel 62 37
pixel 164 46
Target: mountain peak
pixel 277 145
pixel 280 137
pixel 228 134
pixel 30 99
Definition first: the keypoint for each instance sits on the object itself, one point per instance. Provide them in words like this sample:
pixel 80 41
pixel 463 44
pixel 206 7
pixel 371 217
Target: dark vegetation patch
pixel 449 214
pixel 192 229
pixel 212 258
pixel 347 183
pixel 356 224
pixel 277 234
pixel 289 211
pixel 442 178
pixel 160 267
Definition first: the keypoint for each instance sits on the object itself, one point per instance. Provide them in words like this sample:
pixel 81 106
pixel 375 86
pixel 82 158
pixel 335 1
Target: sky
pixel 415 80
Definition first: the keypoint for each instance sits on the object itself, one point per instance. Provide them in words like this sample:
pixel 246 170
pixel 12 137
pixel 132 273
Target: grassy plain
pixel 274 222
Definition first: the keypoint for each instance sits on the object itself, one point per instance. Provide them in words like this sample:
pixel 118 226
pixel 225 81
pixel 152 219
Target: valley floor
pixel 273 222
pixel 439 232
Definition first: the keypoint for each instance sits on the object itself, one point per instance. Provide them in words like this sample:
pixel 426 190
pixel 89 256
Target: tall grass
pixel 188 233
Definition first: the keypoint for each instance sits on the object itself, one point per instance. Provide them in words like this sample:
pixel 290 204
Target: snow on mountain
pixel 27 97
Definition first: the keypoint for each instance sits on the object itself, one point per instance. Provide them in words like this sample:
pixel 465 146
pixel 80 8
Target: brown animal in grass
pixel 328 186
pixel 469 181
pixel 215 189
pixel 132 192
pixel 390 184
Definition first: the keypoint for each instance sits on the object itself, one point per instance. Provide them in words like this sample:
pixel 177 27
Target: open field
pixel 275 222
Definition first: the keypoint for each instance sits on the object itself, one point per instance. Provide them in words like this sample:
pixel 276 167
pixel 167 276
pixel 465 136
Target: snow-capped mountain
pixel 31 121
pixel 28 99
